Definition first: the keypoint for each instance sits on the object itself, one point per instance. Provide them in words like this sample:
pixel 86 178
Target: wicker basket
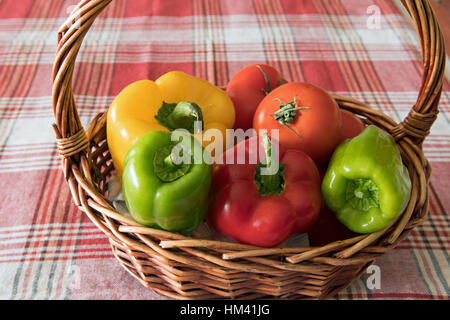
pixel 189 268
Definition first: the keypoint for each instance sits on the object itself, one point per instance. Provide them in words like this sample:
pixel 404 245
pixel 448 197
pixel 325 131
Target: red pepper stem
pixel 267 144
pixel 269 183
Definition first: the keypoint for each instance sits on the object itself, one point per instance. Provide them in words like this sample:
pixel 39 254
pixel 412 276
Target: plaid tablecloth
pixel 50 250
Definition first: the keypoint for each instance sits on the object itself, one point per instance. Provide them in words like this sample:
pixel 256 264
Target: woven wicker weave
pixel 188 268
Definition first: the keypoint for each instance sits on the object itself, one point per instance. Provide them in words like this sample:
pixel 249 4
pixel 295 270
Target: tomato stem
pixel 266 78
pixel 287 114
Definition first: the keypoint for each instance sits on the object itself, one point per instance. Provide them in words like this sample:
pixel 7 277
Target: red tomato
pixel 248 87
pixel 351 125
pixel 315 128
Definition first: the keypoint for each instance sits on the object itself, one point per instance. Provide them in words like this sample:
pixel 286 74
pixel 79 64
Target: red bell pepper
pixel 264 210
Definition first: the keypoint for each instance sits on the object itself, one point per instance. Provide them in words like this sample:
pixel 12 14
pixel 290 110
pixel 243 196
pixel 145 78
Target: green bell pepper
pixel 166 183
pixel 366 183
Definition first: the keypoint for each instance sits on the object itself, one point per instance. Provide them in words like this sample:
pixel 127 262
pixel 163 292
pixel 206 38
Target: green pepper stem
pixel 169 162
pixel 269 183
pixel 164 167
pixel 362 194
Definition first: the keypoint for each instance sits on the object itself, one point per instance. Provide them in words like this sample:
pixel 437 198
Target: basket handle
pixel 418 123
pixel 70 133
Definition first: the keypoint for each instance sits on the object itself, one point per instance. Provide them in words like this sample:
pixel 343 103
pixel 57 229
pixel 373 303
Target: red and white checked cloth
pixel 50 250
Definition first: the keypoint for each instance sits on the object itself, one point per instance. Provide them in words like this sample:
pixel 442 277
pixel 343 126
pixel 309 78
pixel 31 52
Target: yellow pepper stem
pixel 183 115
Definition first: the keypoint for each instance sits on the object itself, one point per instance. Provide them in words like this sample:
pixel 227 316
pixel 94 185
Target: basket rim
pixel 419 163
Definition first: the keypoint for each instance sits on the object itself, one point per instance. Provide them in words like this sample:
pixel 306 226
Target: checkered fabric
pixel 50 250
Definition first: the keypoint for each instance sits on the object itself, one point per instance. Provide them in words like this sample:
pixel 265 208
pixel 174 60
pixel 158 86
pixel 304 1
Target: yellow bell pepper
pixel 175 100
